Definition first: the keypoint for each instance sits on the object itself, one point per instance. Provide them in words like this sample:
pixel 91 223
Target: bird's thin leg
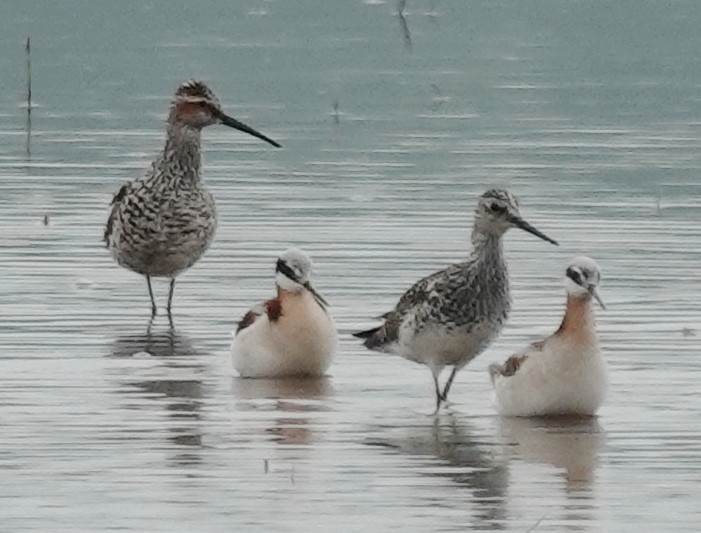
pixel 154 309
pixel 435 371
pixel 448 383
pixel 170 297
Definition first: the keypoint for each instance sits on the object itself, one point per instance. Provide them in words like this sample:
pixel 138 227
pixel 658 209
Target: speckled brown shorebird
pixel 451 316
pixel 162 223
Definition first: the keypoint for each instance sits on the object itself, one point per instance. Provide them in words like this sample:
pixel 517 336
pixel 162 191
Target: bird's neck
pixel 182 151
pixel 487 248
pixel 283 293
pixel 490 268
pixel 579 320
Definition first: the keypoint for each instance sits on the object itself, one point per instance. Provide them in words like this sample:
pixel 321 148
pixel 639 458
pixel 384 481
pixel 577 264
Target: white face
pixel 293 270
pixel 583 277
pixel 575 289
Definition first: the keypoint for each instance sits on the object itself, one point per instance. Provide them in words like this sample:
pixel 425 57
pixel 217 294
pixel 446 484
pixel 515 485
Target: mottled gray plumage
pixel 163 222
pixel 451 316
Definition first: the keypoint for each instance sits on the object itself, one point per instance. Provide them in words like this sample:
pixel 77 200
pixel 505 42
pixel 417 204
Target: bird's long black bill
pixel 525 226
pixel 233 123
pixel 316 295
pixel 595 294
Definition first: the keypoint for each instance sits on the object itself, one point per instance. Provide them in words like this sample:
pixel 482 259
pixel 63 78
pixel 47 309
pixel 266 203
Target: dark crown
pixel 195 89
pixel 497 194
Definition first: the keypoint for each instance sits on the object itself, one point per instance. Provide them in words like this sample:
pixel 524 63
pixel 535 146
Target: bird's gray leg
pixel 448 383
pixel 154 309
pixel 435 371
pixel 170 296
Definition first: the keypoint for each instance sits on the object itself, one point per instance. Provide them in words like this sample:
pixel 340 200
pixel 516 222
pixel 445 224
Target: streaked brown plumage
pixel 162 223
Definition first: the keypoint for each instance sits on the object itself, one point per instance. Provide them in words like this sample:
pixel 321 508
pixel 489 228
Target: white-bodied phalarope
pixel 291 334
pixel 563 374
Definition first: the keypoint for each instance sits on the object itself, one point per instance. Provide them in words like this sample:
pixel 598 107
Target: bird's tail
pixel 367 333
pixel 373 337
pixel 495 370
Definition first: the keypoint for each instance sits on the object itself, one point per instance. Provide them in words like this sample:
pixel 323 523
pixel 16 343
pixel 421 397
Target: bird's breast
pixel 303 323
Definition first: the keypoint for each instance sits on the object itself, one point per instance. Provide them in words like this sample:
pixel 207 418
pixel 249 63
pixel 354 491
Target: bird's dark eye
pixel 575 275
pixel 496 208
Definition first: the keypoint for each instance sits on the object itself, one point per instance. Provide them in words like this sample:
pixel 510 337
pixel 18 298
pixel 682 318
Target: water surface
pixel 589 112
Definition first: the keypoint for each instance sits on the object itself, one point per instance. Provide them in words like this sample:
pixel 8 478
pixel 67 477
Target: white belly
pixel 563 379
pixel 299 343
pixel 438 346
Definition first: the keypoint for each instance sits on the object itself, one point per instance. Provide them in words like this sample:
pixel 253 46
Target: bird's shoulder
pixel 250 317
pixel 514 363
pixel 272 308
pixel 134 189
pixel 121 193
pixel 115 205
pixel 441 281
pixel 509 368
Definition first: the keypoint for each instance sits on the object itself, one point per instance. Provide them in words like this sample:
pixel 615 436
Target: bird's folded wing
pixel 250 317
pixel 422 291
pixel 513 363
pixel 113 209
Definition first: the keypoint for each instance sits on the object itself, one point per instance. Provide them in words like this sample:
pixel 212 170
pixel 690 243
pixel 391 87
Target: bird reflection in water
pixel 298 400
pixel 453 441
pixel 572 445
pixel 168 343
pixel 170 385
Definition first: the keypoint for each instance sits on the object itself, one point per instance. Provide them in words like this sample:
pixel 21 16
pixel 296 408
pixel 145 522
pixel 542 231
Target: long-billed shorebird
pixel 291 334
pixel 565 373
pixel 451 316
pixel 161 223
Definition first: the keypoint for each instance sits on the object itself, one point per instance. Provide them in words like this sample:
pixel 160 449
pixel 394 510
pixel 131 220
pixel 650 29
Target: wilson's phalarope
pixel 291 334
pixel 565 372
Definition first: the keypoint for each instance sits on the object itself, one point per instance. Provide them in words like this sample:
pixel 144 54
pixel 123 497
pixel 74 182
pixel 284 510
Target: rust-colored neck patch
pixel 187 109
pixel 273 308
pixel 579 317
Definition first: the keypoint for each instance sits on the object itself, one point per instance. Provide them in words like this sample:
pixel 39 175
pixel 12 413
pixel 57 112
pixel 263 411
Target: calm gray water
pixel 589 111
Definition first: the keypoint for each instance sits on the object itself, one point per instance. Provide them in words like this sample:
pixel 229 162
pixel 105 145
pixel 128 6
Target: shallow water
pixel 588 111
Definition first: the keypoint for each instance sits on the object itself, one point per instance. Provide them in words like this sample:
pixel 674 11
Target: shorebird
pixel 451 316
pixel 563 374
pixel 291 334
pixel 162 223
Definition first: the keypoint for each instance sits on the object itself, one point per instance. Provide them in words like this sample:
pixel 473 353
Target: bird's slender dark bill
pixel 284 269
pixel 233 123
pixel 525 226
pixel 316 295
pixel 595 294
